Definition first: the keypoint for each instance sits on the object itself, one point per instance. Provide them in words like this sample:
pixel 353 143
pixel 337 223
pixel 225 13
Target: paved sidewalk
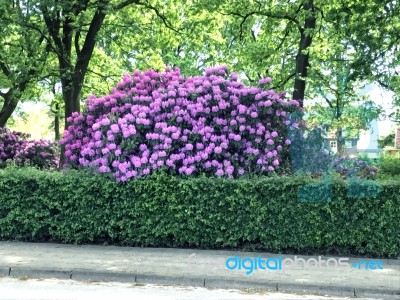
pixel 194 268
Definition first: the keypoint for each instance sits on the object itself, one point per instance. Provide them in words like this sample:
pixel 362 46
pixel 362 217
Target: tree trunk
pixel 57 123
pixel 71 97
pixel 340 143
pixel 72 83
pixel 338 115
pixel 302 55
pixel 10 104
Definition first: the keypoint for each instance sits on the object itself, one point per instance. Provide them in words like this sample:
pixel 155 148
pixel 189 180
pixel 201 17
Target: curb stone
pixel 38 273
pixel 5 271
pixel 207 282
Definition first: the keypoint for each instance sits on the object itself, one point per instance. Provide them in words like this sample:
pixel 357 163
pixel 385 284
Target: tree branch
pixel 259 13
pixel 284 17
pixel 85 54
pixel 248 77
pixel 283 40
pixel 49 43
pixel 79 6
pixel 166 23
pixel 102 75
pixel 5 69
pixel 76 42
pixel 282 83
pixel 329 102
pixel 242 23
pixel 125 3
pixel 386 86
pixel 53 26
pixel 326 83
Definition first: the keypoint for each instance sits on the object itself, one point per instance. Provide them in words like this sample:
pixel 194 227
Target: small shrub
pixel 390 165
pixel 386 141
pixel 16 148
pixel 354 167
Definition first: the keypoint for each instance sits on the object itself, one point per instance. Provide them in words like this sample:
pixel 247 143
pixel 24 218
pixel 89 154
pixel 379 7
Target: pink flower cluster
pixel 17 148
pixel 210 124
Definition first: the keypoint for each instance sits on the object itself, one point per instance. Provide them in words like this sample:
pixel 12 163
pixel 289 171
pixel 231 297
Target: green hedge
pixel 389 165
pixel 294 215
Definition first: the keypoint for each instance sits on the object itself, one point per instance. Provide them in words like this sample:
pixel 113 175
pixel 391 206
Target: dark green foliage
pixel 390 165
pixel 352 167
pixel 163 211
pixel 387 141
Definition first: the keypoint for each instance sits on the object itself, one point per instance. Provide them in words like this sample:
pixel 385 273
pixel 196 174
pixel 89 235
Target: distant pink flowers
pixel 18 148
pixel 265 80
pixel 209 124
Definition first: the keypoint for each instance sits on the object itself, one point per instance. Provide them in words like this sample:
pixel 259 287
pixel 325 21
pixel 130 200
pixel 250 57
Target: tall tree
pixel 343 109
pixel 291 41
pixel 360 49
pixel 72 30
pixel 273 38
pixel 366 36
pixel 302 57
pixel 188 37
pixel 23 59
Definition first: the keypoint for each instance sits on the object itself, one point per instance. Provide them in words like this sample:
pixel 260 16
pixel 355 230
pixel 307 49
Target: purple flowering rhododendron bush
pixel 210 124
pixel 17 148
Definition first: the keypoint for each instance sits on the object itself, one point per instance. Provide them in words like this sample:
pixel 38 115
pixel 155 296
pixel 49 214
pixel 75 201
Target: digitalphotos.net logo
pixel 249 265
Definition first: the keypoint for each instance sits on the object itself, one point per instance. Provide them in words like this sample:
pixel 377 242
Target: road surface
pixel 46 289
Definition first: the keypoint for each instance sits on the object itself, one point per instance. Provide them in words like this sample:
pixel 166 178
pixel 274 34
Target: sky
pixel 369 139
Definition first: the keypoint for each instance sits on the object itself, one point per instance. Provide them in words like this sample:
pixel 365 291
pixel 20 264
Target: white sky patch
pixel 385 100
